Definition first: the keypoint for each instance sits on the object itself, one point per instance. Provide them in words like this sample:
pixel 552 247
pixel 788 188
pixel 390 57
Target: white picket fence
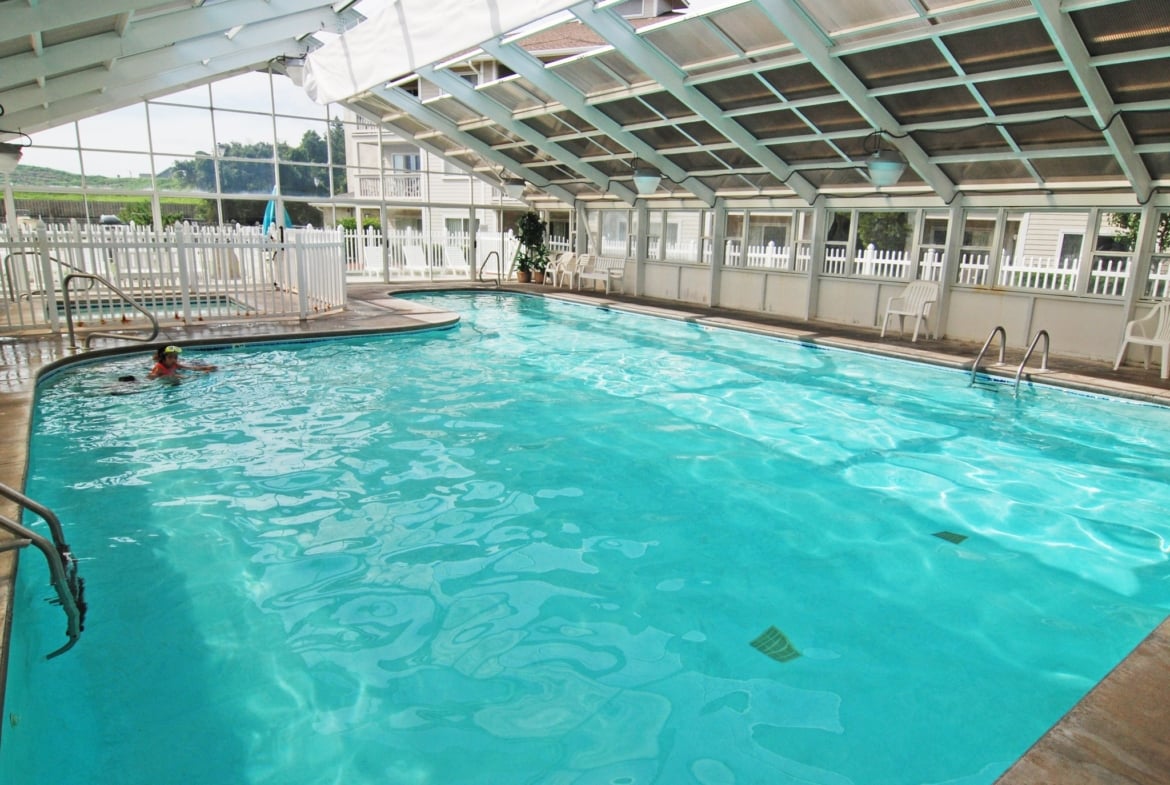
pixel 411 255
pixel 187 273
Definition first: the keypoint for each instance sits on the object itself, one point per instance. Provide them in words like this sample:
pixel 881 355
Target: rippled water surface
pixel 538 548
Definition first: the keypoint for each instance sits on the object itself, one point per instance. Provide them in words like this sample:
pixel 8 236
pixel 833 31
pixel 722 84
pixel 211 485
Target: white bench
pixel 607 271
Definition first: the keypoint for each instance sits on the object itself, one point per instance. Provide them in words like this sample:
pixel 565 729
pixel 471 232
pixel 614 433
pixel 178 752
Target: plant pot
pixel 523 276
pixel 538 276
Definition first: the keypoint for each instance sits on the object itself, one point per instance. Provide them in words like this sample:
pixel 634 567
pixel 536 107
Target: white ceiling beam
pixel 143 67
pixel 404 101
pixel 534 71
pixel 120 93
pixel 21 21
pixel 810 41
pixel 145 35
pixel 458 88
pixel 622 37
pixel 1072 51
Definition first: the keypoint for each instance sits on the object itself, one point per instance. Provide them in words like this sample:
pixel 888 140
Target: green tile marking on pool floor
pixel 951 537
pixel 776 645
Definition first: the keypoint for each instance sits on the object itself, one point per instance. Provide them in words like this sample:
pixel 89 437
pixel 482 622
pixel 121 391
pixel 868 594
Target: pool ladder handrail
pixel 1002 333
pixel 62 564
pixel 499 267
pixel 1043 358
pixel 68 279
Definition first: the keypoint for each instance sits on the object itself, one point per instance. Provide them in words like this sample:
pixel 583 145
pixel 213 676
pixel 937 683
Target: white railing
pixel 930 265
pixel 767 257
pixel 866 263
pixel 1158 280
pixel 1039 272
pixel 390 186
pixel 1109 275
pixel 409 254
pixel 186 273
pixel 974 267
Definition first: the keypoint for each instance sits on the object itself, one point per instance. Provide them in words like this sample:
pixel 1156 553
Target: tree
pixel 886 231
pixel 248 169
pixel 140 213
pixel 1129 224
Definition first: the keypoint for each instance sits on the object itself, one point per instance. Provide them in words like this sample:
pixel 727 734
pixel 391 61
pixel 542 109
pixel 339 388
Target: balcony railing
pixel 391 186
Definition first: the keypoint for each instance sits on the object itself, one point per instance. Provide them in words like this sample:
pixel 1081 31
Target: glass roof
pixel 755 98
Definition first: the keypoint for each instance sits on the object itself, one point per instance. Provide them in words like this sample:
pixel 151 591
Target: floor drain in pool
pixel 951 537
pixel 776 645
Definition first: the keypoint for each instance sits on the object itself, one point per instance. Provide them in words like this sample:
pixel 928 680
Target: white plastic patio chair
pixel 572 274
pixel 915 301
pixel 564 263
pixel 1151 330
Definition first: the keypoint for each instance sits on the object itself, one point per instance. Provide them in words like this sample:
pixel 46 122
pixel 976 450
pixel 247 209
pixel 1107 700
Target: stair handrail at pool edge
pixel 499 267
pixel 129 299
pixel 1002 333
pixel 62 564
pixel 1031 348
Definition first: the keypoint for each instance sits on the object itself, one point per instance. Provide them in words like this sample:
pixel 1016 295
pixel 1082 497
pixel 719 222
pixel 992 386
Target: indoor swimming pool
pixel 559 545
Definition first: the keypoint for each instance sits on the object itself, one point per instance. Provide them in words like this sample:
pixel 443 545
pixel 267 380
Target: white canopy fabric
pixel 409 34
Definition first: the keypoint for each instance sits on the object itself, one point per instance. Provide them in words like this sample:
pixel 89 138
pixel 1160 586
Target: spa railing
pixel 62 564
pixel 124 336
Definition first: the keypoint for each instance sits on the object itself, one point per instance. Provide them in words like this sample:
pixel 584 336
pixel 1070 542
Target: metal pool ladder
pixel 1031 348
pixel 1002 333
pixel 62 564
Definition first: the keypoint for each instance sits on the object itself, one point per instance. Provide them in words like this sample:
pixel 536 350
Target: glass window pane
pixel 61 136
pixel 304 180
pixel 178 173
pixel 63 159
pixel 247 177
pixel 839 227
pixel 302 140
pixel 242 135
pixel 769 229
pixel 120 129
pixel 1118 232
pixel 294 101
pixel 116 170
pixel 180 130
pixel 885 231
pixel 248 92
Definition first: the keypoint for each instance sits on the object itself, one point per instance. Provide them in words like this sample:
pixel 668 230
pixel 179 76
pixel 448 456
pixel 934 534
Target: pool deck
pixel 1119 734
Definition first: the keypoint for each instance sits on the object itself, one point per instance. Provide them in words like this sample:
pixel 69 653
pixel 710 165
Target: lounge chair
pixel 416 261
pixel 1151 330
pixel 455 260
pixel 915 301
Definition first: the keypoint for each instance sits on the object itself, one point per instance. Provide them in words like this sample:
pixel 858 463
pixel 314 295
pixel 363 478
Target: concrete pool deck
pixel 1118 734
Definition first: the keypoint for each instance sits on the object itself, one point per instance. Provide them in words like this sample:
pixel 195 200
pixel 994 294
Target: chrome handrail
pixel 130 300
pixel 499 267
pixel 998 330
pixel 1031 348
pixel 62 564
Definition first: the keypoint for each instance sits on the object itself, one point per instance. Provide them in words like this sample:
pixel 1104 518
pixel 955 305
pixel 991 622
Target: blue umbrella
pixel 270 216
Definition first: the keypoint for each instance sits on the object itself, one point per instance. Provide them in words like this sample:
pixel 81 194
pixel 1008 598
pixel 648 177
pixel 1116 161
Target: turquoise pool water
pixel 539 547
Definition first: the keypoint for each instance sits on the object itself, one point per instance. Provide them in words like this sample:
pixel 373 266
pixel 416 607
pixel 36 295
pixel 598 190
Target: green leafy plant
pixel 532 253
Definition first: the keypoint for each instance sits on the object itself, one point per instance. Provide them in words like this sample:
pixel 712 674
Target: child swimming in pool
pixel 166 363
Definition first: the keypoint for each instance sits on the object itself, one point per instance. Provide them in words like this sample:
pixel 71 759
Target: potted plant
pixel 531 254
